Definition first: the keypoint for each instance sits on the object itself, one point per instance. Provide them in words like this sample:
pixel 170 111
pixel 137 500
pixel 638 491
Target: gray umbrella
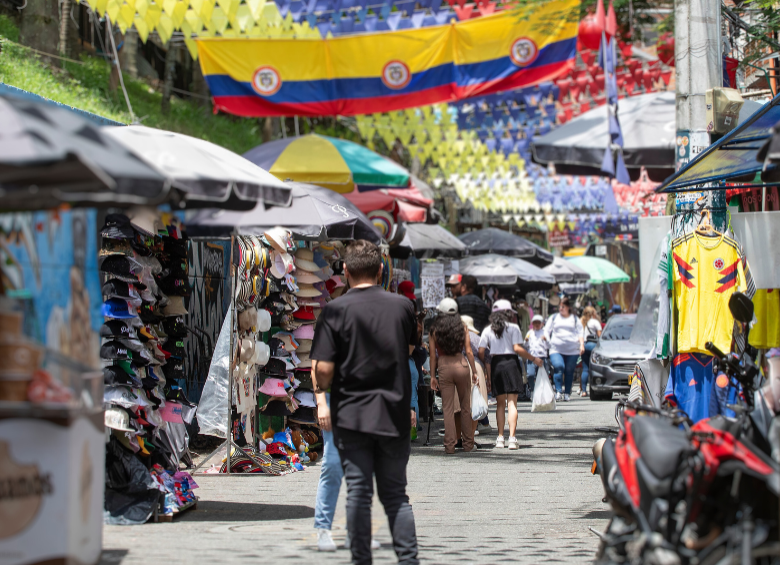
pixel 492 269
pixel 566 272
pixel 315 213
pixel 427 240
pixel 50 155
pixel 494 240
pixel 648 126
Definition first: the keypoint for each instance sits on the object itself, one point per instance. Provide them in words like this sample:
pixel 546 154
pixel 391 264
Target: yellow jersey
pixel 707 270
pixel 765 333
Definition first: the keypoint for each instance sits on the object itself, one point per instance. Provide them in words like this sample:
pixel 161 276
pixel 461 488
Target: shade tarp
pixel 432 240
pixel 494 240
pixel 500 270
pixel 333 163
pixel 732 157
pixel 566 272
pixel 649 135
pixel 600 270
pixel 315 213
pixel 386 71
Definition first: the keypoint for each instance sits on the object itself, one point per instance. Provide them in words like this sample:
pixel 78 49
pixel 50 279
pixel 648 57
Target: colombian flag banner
pixel 386 71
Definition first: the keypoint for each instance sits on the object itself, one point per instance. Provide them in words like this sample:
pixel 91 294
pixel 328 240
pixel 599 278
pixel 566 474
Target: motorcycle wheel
pixel 768 554
pixel 612 555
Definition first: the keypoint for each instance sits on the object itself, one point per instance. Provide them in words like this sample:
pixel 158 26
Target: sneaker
pixel 500 442
pixel 441 432
pixel 558 397
pixel 374 543
pixel 492 402
pixel 485 428
pixel 513 442
pixel 325 541
pixel 566 397
pixel 476 433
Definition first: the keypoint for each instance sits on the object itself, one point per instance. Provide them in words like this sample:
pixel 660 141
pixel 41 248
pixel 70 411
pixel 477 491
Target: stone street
pixel 533 505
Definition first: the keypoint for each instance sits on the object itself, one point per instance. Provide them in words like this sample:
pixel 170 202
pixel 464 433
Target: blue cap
pixel 118 308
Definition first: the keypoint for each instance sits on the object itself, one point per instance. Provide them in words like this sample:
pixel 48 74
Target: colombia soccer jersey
pixel 706 271
pixel 765 333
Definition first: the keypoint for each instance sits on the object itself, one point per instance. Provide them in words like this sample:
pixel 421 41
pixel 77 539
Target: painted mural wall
pixel 48 261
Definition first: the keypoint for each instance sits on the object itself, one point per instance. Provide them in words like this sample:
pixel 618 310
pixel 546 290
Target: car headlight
pixel 600 359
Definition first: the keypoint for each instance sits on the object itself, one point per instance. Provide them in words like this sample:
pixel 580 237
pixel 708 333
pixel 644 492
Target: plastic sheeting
pixel 131 493
pixel 213 407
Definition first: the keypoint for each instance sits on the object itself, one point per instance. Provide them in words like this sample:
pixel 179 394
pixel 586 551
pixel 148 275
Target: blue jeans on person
pixel 328 488
pixel 589 347
pixel 531 370
pixel 563 367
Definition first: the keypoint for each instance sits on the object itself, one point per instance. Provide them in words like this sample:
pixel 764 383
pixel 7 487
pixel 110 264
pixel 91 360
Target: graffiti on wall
pixel 207 306
pixel 48 262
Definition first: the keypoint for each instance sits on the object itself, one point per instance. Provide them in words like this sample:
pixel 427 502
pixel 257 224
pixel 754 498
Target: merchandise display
pixel 144 281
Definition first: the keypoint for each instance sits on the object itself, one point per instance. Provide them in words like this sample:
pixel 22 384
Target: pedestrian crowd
pixel 369 373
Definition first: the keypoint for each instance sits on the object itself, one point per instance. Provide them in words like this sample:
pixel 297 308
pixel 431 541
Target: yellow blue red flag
pixel 386 71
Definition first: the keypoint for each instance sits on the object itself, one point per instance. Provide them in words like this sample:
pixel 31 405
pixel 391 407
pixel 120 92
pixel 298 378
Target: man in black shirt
pixel 361 349
pixel 469 304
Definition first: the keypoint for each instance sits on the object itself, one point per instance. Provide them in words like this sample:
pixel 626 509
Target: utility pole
pixel 698 67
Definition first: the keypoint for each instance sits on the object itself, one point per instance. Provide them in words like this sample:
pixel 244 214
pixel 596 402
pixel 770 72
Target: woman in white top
pixel 564 334
pixel 591 326
pixel 504 340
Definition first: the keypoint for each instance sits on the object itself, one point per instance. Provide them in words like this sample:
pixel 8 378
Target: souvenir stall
pixel 259 393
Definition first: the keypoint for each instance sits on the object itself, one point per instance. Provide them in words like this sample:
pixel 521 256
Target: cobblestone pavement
pixel 533 505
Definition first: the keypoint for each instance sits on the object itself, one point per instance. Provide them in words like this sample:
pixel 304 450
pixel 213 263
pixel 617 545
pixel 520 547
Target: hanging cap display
pixel 118 308
pixel 117 328
pixel 117 226
pixel 175 306
pixel 117 418
pixel 304 259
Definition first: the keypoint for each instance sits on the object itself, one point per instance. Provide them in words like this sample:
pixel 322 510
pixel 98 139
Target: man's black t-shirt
pixel 472 305
pixel 366 333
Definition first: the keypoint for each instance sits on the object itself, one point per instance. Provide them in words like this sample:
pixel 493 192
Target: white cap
pixel 499 305
pixel 447 306
pixel 537 318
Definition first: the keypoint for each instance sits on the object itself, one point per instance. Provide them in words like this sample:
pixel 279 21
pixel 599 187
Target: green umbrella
pixel 600 270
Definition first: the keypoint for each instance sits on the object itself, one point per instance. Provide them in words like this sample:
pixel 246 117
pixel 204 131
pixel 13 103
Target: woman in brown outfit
pixel 448 341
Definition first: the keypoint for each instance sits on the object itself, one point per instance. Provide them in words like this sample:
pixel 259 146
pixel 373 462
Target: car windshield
pixel 618 329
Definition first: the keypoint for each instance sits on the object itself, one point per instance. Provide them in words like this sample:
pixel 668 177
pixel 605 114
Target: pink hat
pixel 304 332
pixel 273 387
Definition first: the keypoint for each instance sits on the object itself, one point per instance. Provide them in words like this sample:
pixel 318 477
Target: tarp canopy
pixel 600 270
pixel 492 269
pixel 648 126
pixel 494 240
pixel 732 158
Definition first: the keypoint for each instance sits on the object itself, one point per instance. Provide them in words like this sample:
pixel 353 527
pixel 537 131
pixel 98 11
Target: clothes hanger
pixel 705 226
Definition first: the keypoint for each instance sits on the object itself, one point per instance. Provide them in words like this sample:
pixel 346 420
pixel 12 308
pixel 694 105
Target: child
pixel 537 345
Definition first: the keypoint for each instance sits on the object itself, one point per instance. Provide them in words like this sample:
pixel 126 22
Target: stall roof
pixel 732 157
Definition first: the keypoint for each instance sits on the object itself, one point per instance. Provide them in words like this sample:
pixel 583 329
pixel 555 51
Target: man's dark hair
pixel 450 334
pixel 469 282
pixel 363 260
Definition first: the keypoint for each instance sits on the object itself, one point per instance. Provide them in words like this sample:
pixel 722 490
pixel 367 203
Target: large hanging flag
pixel 386 71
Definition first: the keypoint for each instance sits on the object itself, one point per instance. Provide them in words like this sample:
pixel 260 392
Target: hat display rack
pixel 144 276
pixel 279 287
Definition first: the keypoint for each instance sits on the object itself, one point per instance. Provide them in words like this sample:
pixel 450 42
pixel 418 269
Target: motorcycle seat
pixel 660 444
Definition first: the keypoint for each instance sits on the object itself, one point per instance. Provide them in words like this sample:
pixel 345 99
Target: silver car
pixel 614 357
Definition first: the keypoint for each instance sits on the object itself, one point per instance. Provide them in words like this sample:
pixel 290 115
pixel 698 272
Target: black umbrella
pixel 494 240
pixel 492 269
pixel 315 213
pixel 50 155
pixel 432 240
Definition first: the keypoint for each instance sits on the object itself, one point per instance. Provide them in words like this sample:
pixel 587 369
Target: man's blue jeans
pixel 589 347
pixel 564 366
pixel 328 488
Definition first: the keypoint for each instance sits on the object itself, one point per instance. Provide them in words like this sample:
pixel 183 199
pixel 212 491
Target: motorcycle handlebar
pixel 712 348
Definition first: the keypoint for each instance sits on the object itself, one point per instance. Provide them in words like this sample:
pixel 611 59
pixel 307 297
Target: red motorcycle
pixel 704 494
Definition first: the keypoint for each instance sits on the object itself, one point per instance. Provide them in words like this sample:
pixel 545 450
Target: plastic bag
pixel 544 397
pixel 479 408
pixel 212 411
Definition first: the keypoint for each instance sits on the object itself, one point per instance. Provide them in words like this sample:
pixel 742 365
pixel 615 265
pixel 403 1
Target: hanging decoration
pixel 382 72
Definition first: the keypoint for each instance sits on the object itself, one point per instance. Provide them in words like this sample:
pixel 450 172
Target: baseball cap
pixel 500 305
pixel 117 226
pixel 275 408
pixel 117 328
pixel 117 418
pixel 303 415
pixel 537 318
pixel 118 308
pixel 454 279
pixel 121 267
pixel 406 288
pixel 115 247
pixel 115 375
pixel 275 367
pixel 175 307
pixel 115 288
pixel 447 306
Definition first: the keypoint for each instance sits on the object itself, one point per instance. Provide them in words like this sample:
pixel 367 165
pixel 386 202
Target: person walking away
pixel 591 326
pixel 450 374
pixel 504 340
pixel 361 346
pixel 469 304
pixel 537 345
pixel 564 333
pixel 473 334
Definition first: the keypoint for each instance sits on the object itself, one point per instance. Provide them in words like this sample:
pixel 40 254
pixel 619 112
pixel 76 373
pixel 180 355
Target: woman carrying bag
pixel 451 372
pixel 591 326
pixel 564 333
pixel 504 340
